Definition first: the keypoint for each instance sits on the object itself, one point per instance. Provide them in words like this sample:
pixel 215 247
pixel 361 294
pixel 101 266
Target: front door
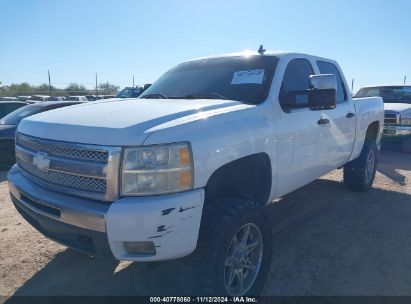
pixel 299 145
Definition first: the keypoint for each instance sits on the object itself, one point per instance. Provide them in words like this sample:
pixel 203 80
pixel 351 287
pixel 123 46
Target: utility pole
pixel 352 86
pixel 133 81
pixel 96 88
pixel 48 71
pixel 405 79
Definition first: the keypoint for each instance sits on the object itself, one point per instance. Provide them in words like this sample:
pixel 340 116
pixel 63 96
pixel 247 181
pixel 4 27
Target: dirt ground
pixel 328 241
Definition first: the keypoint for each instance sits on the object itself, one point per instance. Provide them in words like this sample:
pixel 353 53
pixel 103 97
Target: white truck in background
pixel 188 168
pixel 397 106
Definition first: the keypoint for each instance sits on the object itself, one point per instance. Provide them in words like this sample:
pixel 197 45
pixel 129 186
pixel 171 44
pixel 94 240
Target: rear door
pixel 340 134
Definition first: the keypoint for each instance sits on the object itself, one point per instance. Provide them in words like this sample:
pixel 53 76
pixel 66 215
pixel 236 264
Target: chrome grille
pixel 53 149
pixel 391 118
pixel 76 169
pixel 82 183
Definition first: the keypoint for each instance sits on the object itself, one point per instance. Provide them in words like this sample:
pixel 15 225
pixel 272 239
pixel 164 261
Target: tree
pixel 76 89
pixel 108 88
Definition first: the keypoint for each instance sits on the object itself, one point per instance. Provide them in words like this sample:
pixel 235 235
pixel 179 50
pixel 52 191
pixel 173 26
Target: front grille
pixel 76 169
pixel 73 153
pixel 391 118
pixel 83 183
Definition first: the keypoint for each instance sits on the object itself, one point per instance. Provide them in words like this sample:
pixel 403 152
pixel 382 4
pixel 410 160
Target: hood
pixel 120 123
pixel 397 107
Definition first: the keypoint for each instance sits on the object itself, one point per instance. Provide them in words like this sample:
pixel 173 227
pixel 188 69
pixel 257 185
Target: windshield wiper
pixel 154 96
pixel 201 96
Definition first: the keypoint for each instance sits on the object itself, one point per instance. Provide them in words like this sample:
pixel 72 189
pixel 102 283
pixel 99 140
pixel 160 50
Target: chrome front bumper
pixel 170 222
pixel 393 131
pixel 72 210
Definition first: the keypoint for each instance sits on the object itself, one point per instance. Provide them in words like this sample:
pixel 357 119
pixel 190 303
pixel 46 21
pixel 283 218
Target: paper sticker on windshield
pixel 247 77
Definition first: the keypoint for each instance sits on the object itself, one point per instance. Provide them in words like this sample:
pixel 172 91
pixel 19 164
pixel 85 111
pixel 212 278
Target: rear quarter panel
pixel 368 110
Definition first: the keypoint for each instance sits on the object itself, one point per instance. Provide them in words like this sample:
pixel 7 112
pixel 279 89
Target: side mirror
pixel 322 94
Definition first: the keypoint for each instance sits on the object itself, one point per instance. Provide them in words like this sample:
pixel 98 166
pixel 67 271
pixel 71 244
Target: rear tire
pixel 214 267
pixel 7 157
pixel 359 173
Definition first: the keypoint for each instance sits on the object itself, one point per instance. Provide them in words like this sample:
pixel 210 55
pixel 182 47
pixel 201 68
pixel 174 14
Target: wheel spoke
pixel 245 237
pixel 240 279
pixel 229 261
pixel 249 264
pixel 231 277
pixel 250 247
pixel 235 243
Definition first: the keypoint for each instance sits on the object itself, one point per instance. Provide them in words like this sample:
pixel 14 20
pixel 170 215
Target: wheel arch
pixel 248 177
pixel 372 131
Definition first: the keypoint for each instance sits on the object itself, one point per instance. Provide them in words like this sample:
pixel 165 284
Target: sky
pixel 371 39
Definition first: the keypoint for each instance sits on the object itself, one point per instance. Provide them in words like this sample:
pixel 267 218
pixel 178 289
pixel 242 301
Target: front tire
pixel 233 252
pixel 406 146
pixel 359 173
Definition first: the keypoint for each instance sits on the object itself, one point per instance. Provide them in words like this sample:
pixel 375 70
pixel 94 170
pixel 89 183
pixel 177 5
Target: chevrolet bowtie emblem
pixel 41 161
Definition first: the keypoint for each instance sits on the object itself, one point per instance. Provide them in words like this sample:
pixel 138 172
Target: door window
pixel 295 85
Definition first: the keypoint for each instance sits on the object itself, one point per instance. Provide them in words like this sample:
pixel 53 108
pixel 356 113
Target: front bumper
pixel 396 131
pixel 171 222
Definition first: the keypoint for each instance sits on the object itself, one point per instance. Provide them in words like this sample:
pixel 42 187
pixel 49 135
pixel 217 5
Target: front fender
pixel 220 139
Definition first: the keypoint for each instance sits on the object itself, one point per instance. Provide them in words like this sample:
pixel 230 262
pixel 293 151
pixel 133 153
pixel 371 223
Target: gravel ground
pixel 328 241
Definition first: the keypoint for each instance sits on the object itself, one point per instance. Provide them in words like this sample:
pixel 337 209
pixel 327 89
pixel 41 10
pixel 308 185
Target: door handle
pixel 350 115
pixel 323 121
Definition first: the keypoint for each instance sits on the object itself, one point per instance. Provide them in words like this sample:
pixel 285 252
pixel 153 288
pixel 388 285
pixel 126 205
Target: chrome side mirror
pixel 322 94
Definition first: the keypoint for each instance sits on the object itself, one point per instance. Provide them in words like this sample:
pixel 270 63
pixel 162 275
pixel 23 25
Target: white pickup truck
pixel 188 169
pixel 397 106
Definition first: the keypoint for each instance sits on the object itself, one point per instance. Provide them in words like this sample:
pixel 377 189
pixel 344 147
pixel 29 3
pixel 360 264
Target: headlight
pixel 405 121
pixel 157 169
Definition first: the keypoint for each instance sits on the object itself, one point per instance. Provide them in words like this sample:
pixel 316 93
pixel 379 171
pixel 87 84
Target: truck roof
pixel 277 54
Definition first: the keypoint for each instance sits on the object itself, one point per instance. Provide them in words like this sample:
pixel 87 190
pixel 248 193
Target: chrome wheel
pixel 243 260
pixel 369 169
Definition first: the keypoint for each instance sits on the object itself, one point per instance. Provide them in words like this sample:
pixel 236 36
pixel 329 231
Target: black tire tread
pixel 198 274
pixel 354 171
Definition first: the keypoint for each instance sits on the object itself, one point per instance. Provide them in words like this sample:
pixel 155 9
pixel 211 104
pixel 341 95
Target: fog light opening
pixel 146 248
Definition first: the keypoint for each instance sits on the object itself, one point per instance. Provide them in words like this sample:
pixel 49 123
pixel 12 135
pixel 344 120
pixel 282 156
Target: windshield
pixel 16 116
pixel 128 93
pixel 242 78
pixel 397 94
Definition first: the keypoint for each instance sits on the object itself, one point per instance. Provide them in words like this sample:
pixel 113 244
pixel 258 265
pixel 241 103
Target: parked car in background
pixel 397 106
pixel 23 98
pixel 91 97
pixel 105 96
pixel 7 98
pixel 132 92
pixel 38 98
pixel 76 98
pixel 188 168
pixel 56 98
pixel 7 107
pixel 9 123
